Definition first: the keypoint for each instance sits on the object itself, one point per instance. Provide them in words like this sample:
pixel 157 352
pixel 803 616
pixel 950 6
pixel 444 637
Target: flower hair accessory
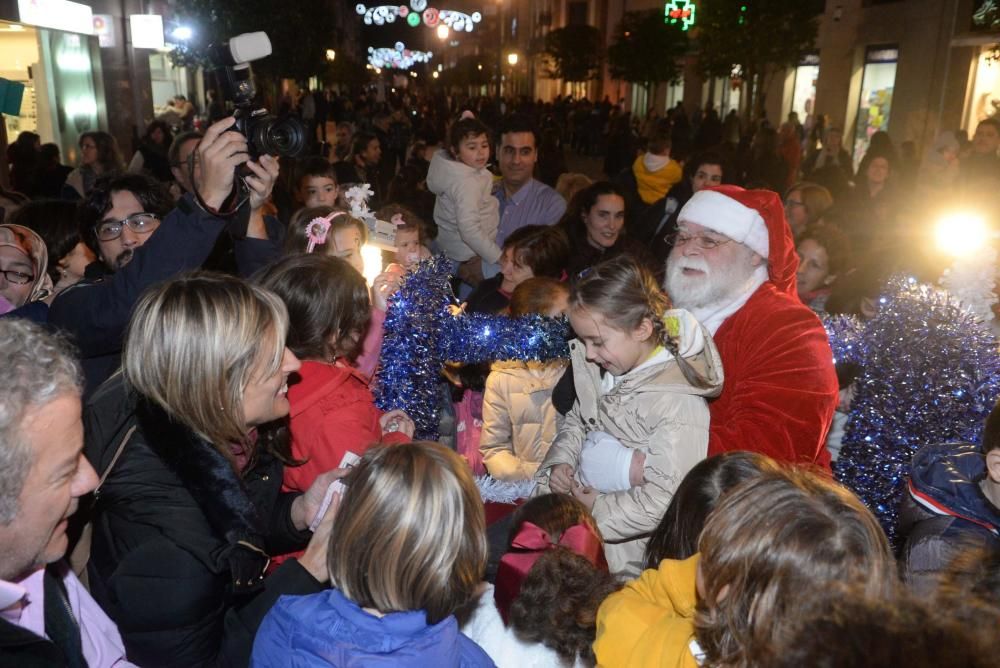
pixel 397 220
pixel 358 197
pixel 466 114
pixel 530 543
pixel 317 230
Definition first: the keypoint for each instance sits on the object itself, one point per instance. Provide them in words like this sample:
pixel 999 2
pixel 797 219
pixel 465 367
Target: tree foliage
pixel 759 36
pixel 575 53
pixel 646 50
pixel 300 32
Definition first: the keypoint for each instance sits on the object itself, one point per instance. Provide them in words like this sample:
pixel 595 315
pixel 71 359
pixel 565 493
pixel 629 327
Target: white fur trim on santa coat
pixel 725 215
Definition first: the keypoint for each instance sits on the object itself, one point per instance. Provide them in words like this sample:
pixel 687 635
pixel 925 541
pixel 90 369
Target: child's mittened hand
pixel 561 478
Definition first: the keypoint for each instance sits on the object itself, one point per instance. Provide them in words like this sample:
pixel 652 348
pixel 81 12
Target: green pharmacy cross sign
pixel 679 11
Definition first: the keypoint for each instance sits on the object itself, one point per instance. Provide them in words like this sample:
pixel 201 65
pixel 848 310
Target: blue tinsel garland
pixel 420 335
pixel 930 374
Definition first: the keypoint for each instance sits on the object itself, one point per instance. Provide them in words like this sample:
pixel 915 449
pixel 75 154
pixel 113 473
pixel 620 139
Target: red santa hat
pixel 754 218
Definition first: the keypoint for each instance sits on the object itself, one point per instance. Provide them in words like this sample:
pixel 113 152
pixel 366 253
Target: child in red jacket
pixel 332 410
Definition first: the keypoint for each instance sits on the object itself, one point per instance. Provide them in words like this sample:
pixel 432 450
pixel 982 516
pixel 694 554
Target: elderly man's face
pixel 58 477
pixel 706 268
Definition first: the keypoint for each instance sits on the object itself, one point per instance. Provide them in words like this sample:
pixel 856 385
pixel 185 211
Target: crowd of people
pixel 195 471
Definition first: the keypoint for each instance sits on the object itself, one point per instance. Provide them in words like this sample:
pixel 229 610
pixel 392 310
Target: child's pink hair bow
pixel 397 219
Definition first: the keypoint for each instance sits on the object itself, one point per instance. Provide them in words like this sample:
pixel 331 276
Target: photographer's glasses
pixel 140 223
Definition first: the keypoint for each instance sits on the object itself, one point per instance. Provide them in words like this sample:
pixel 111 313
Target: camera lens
pixel 277 136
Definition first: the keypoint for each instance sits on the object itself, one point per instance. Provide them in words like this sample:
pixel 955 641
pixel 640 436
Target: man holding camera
pixel 140 241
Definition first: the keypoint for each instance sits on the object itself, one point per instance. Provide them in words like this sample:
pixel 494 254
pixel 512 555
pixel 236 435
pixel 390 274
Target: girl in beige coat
pixel 519 420
pixel 642 375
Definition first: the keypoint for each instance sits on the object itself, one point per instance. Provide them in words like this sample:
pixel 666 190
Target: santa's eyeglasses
pixel 700 241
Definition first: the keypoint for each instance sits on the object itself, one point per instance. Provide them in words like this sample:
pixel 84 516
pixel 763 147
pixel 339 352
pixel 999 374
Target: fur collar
pixel 211 479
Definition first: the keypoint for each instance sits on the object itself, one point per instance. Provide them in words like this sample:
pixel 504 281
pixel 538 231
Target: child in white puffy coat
pixel 466 212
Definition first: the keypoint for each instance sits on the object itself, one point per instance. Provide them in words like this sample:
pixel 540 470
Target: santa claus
pixel 733 265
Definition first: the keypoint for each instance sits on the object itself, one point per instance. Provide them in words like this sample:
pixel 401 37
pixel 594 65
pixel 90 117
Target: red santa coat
pixel 780 390
pixel 332 412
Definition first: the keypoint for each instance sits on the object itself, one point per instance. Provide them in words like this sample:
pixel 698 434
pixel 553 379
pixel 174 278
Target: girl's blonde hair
pixel 625 293
pixel 768 544
pixel 410 533
pixel 195 342
pixel 297 239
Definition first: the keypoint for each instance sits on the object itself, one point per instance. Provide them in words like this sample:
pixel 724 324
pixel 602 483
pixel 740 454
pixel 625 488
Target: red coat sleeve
pixel 345 420
pixel 780 387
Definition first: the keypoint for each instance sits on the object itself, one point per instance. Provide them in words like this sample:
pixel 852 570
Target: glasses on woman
pixel 140 223
pixel 700 241
pixel 17 277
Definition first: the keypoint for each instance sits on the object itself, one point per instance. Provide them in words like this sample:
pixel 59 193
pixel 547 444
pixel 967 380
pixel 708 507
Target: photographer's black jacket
pixel 96 311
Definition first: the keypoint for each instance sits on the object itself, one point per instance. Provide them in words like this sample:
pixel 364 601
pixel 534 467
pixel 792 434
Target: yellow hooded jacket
pixel 650 622
pixel 655 185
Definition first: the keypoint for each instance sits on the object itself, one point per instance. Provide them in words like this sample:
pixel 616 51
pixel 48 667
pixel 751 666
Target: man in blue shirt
pixel 523 199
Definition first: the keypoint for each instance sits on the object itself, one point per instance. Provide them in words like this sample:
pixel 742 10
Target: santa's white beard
pixel 709 288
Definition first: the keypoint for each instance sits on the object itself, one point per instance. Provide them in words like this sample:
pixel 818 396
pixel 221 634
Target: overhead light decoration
pixel 679 12
pixel 398 57
pixel 416 13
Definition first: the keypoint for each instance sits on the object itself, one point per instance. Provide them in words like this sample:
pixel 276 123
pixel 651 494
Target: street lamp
pixel 512 59
pixel 442 32
pixel 183 33
pixel 331 55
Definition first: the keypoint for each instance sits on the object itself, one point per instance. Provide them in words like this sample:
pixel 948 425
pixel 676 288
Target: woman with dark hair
pixel 676 536
pixel 99 156
pixel 55 222
pixel 595 224
pixel 152 154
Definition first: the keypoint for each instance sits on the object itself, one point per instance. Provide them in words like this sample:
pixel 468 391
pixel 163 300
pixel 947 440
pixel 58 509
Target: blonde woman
pixel 190 437
pixel 409 550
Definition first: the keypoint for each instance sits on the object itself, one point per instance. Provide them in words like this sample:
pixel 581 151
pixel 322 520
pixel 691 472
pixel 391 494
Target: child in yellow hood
pixel 655 171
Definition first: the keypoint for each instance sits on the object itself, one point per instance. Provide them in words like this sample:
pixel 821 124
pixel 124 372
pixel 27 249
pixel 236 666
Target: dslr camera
pixel 266 134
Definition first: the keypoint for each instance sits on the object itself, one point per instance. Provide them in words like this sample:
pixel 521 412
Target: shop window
pixel 875 102
pixel 804 87
pixel 984 98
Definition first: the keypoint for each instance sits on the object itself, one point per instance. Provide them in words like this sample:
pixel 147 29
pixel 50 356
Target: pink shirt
pixel 22 603
pixel 371 347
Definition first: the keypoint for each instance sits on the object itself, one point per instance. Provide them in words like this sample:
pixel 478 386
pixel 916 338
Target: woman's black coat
pixel 181 540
